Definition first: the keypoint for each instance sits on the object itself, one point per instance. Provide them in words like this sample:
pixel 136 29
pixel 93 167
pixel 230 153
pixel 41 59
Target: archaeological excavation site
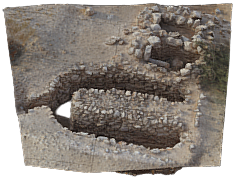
pixel 137 77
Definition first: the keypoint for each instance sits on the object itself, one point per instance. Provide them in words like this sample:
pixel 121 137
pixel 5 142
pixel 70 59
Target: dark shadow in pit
pixel 177 57
pixel 137 137
pixel 174 28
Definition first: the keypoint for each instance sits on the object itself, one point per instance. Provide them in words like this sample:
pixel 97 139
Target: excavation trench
pixel 68 83
pixel 176 56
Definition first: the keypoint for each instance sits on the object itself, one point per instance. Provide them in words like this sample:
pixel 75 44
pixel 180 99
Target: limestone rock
pixel 200 33
pixel 159 63
pixel 170 9
pixel 147 11
pixel 209 16
pixel 210 23
pixel 181 8
pixel 198 114
pixel 136 33
pixel 163 33
pixel 155 9
pixel 138 53
pixel 180 20
pixel 185 13
pixel 188 66
pixel 156 18
pixel 154 41
pixel 89 11
pixel 198 62
pixel 112 40
pixel 184 39
pixel 126 31
pixel 196 14
pixel 196 23
pixel 197 36
pixel 131 50
pixel 178 145
pixel 147 53
pixel 116 114
pixel 174 42
pixel 146 24
pixel 155 27
pixel 217 11
pixel 143 31
pixel 121 42
pixel 174 34
pixel 155 151
pixel 178 79
pixel 178 12
pixel 186 8
pixel 146 16
pixel 199 49
pixel 196 124
pixel 148 66
pixel 200 28
pixel 135 44
pixel 101 138
pixel 172 16
pixel 134 28
pixel 162 69
pixel 202 96
pixel 210 37
pixel 166 17
pixel 190 22
pixel 184 72
pixel 188 46
pixel 195 42
pixel 82 67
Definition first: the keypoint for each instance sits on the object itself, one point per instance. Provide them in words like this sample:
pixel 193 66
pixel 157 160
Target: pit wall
pixel 119 73
pixel 180 18
pixel 149 40
pixel 136 118
pixel 61 88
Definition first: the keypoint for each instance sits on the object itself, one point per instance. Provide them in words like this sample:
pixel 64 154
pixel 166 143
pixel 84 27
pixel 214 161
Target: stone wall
pixel 120 75
pixel 174 34
pixel 136 118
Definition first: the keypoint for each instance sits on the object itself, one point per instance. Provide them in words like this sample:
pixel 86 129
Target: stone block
pixel 156 18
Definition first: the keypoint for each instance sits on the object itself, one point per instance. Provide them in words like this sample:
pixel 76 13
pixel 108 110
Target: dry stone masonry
pixel 139 109
pixel 131 117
